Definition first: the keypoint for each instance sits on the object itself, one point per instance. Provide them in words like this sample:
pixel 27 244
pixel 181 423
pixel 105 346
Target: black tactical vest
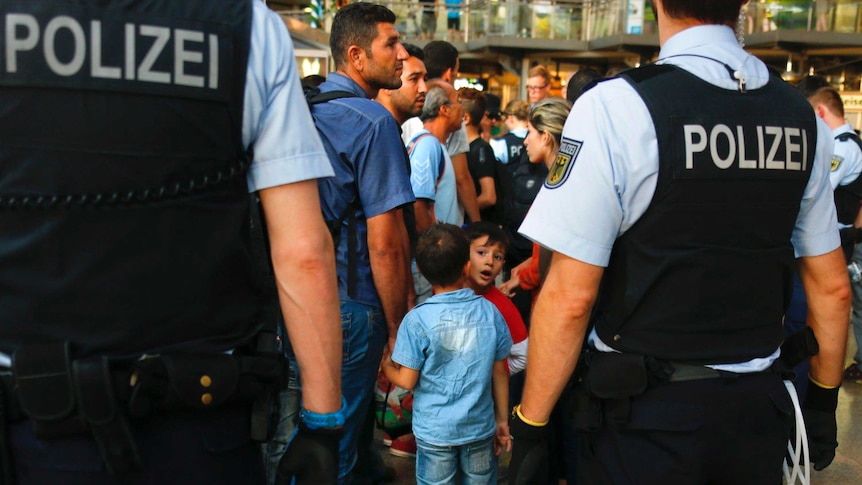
pixel 514 147
pixel 847 197
pixel 123 194
pixel 704 276
pixel 527 179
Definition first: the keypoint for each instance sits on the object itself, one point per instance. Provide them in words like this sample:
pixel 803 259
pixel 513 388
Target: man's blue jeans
pixel 364 334
pixel 288 410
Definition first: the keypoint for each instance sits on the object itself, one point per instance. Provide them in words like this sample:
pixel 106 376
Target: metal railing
pixel 593 19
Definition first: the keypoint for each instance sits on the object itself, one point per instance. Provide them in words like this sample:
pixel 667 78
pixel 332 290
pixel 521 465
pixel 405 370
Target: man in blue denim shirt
pixel 364 146
pixel 453 349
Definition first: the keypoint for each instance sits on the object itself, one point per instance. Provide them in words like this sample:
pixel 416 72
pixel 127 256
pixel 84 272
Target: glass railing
pixel 592 19
pixel 816 15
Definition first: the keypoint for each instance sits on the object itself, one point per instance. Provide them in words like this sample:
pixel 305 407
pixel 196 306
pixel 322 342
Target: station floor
pixel 846 469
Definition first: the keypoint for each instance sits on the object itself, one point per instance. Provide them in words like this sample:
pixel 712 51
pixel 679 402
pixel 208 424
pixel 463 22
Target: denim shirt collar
pixel 464 294
pixel 343 83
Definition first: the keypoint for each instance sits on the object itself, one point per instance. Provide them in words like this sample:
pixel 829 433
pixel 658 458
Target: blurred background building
pixel 500 39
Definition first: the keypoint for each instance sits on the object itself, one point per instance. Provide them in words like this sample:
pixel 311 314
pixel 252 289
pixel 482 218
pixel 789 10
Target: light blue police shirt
pixel 846 158
pixel 276 121
pixel 615 170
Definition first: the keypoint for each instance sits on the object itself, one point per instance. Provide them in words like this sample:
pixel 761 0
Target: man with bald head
pixel 432 175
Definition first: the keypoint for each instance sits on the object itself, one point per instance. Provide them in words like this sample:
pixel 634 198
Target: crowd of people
pixel 603 288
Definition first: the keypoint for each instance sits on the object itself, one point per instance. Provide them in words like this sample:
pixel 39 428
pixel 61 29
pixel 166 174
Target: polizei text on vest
pixel 69 46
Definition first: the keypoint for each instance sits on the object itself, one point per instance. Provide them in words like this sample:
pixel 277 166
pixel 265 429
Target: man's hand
pixel 529 463
pixel 819 413
pixel 311 457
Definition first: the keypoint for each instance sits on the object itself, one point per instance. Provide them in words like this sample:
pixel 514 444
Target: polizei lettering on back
pixel 737 149
pixel 44 47
pixel 24 36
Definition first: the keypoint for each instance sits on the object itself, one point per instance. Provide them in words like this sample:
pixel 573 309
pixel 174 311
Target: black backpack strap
pixel 314 96
pixel 335 227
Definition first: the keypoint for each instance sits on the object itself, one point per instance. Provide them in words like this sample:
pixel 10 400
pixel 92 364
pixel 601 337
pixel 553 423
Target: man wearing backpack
pixel 370 186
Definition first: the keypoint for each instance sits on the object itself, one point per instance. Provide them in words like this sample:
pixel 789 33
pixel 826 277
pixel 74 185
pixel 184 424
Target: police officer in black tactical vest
pixel 136 334
pixel 679 198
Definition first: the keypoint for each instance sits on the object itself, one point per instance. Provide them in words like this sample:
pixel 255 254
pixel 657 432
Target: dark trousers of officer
pixel 180 447
pixel 729 430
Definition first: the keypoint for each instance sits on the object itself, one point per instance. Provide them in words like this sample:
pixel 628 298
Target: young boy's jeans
pixel 474 462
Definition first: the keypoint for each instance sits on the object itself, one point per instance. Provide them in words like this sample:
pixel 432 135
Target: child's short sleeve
pixel 411 344
pixel 504 337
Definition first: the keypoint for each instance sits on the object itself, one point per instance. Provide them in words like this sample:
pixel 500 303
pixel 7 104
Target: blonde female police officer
pixel 689 187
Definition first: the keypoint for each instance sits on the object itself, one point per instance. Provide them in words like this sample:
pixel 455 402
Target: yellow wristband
pixel 821 385
pixel 528 421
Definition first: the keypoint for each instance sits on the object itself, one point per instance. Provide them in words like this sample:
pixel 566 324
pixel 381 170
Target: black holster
pixel 605 384
pixel 165 383
pixel 798 346
pixel 65 398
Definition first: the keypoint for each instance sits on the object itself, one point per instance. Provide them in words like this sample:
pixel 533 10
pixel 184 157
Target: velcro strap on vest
pixel 43 380
pixel 98 407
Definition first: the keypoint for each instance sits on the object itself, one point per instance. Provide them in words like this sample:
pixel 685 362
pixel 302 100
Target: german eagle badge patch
pixel 564 162
pixel 836 162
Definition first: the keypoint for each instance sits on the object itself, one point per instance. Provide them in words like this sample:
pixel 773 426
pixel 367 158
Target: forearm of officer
pixel 466 189
pixel 557 332
pixel 388 266
pixel 828 292
pixel 304 266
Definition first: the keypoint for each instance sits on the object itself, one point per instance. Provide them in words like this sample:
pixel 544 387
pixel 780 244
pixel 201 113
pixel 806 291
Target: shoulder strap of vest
pixel 850 136
pixel 641 74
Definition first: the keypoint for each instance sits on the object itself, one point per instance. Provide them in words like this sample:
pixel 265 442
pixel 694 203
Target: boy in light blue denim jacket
pixel 451 350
